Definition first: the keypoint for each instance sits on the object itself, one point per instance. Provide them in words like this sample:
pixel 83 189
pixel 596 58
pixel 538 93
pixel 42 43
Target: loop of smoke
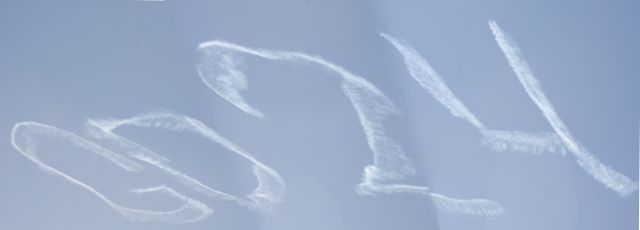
pixel 25 136
pixel 270 190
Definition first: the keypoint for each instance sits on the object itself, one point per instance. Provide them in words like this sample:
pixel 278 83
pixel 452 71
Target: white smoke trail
pixel 470 206
pixel 220 72
pixel 271 187
pixel 520 142
pixel 429 79
pixel 25 136
pixel 600 172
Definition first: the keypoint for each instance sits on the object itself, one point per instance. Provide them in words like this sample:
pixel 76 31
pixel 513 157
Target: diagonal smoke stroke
pixel 220 71
pixel 499 140
pixel 600 172
pixel 25 138
pixel 271 187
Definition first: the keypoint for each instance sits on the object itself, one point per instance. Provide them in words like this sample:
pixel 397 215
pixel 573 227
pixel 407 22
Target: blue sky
pixel 63 62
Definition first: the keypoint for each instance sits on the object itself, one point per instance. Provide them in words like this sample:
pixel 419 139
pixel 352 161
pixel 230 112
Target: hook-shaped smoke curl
pixel 220 71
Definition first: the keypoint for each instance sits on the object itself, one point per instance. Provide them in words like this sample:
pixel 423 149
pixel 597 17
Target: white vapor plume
pixel 219 70
pixel 269 191
pixel 499 140
pixel 25 138
pixel 600 172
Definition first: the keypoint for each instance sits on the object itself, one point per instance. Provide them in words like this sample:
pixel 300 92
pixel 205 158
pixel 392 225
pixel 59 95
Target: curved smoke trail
pixel 271 187
pixel 219 70
pixel 560 140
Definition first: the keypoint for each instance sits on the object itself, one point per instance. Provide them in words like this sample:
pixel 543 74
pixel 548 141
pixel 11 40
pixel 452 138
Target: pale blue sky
pixel 62 62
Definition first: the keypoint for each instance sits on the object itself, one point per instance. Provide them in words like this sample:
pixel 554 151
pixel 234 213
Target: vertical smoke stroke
pixel 271 187
pixel 499 140
pixel 25 136
pixel 600 172
pixel 220 72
